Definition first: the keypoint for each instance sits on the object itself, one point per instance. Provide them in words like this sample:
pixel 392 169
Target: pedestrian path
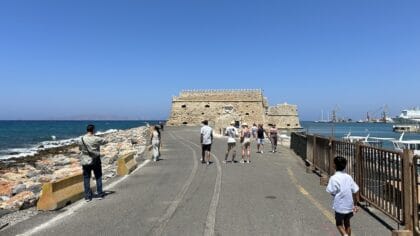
pixel 272 195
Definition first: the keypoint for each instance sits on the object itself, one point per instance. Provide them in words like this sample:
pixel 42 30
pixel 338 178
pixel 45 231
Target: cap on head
pixel 232 122
pixel 205 122
pixel 245 124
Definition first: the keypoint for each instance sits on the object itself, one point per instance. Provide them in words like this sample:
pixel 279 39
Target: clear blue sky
pixel 63 59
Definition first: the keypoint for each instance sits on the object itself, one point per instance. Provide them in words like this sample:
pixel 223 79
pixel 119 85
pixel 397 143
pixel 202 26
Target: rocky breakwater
pixel 21 179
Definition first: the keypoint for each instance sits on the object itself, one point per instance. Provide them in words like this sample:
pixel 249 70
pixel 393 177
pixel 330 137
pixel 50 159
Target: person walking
pixel 90 159
pixel 260 138
pixel 246 143
pixel 155 139
pixel 343 189
pixel 206 139
pixel 232 133
pixel 254 131
pixel 273 138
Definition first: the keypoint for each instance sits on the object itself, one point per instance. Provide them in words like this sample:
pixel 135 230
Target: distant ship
pixel 409 116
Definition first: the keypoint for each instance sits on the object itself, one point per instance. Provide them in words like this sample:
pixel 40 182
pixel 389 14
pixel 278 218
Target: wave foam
pixel 45 145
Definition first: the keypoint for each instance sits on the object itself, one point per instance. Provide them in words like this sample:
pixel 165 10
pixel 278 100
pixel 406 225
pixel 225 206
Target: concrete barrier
pixel 126 164
pixel 61 193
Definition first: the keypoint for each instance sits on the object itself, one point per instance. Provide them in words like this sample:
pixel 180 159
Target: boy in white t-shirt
pixel 232 133
pixel 342 187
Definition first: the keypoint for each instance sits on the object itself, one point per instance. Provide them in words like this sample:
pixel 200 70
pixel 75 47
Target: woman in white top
pixel 155 139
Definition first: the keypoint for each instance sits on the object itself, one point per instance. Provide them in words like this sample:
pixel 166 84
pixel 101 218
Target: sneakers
pixel 262 152
pixel 88 199
pixel 224 162
pixel 248 161
pixel 208 163
pixel 242 161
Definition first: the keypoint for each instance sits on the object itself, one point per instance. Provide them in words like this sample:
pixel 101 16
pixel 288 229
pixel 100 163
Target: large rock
pixel 62 162
pixel 18 189
pixel 32 174
pixel 6 188
pixel 35 188
pixel 20 201
pixel 45 178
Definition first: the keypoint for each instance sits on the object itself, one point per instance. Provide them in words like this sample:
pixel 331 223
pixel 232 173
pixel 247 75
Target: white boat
pixel 353 139
pixel 409 116
pixel 367 140
pixel 413 144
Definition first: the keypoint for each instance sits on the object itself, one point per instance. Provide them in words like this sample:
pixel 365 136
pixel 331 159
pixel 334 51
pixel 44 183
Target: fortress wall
pixel 220 107
pixel 283 110
pixel 193 113
pixel 222 95
pixel 284 122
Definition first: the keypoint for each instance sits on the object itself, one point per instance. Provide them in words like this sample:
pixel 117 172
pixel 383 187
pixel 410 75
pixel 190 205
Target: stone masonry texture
pixel 220 107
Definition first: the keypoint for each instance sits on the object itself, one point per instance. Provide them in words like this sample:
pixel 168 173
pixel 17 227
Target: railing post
pixel 314 156
pixel 309 154
pixel 331 154
pixel 407 189
pixel 414 188
pixel 358 168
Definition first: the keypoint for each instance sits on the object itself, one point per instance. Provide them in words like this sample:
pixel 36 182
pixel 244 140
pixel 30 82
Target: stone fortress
pixel 221 107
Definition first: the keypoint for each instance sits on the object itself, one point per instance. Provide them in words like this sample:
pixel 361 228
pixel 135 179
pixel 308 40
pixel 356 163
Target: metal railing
pixel 416 196
pixel 322 155
pixel 388 180
pixel 381 180
pixel 348 151
pixel 298 144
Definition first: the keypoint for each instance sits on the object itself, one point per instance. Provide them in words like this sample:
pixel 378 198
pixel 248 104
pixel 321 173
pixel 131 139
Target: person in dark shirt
pixel 260 138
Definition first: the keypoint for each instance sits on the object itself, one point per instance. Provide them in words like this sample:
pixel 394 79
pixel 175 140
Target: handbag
pixel 85 160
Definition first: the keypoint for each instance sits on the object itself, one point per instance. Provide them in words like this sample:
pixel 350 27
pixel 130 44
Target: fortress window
pixel 247 114
pixel 184 106
pixel 185 123
pixel 296 125
pixel 288 125
pixel 207 106
pixel 202 113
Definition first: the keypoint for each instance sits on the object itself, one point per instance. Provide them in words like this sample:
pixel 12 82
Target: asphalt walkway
pixel 273 195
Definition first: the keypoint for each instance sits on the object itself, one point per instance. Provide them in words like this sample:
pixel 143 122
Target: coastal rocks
pixel 20 201
pixel 6 188
pixel 32 174
pixel 35 188
pixel 21 180
pixel 4 198
pixel 18 189
pixel 45 178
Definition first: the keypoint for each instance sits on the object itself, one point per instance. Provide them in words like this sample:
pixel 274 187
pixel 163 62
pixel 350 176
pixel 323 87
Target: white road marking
pixel 72 209
pixel 163 221
pixel 211 215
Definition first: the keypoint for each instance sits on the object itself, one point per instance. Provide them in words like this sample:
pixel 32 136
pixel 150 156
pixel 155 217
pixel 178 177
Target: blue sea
pixel 21 138
pixel 339 130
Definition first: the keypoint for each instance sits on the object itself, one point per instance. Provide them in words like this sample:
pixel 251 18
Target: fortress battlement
pixel 222 106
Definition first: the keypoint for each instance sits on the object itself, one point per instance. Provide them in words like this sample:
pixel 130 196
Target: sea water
pixel 22 138
pixel 339 130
